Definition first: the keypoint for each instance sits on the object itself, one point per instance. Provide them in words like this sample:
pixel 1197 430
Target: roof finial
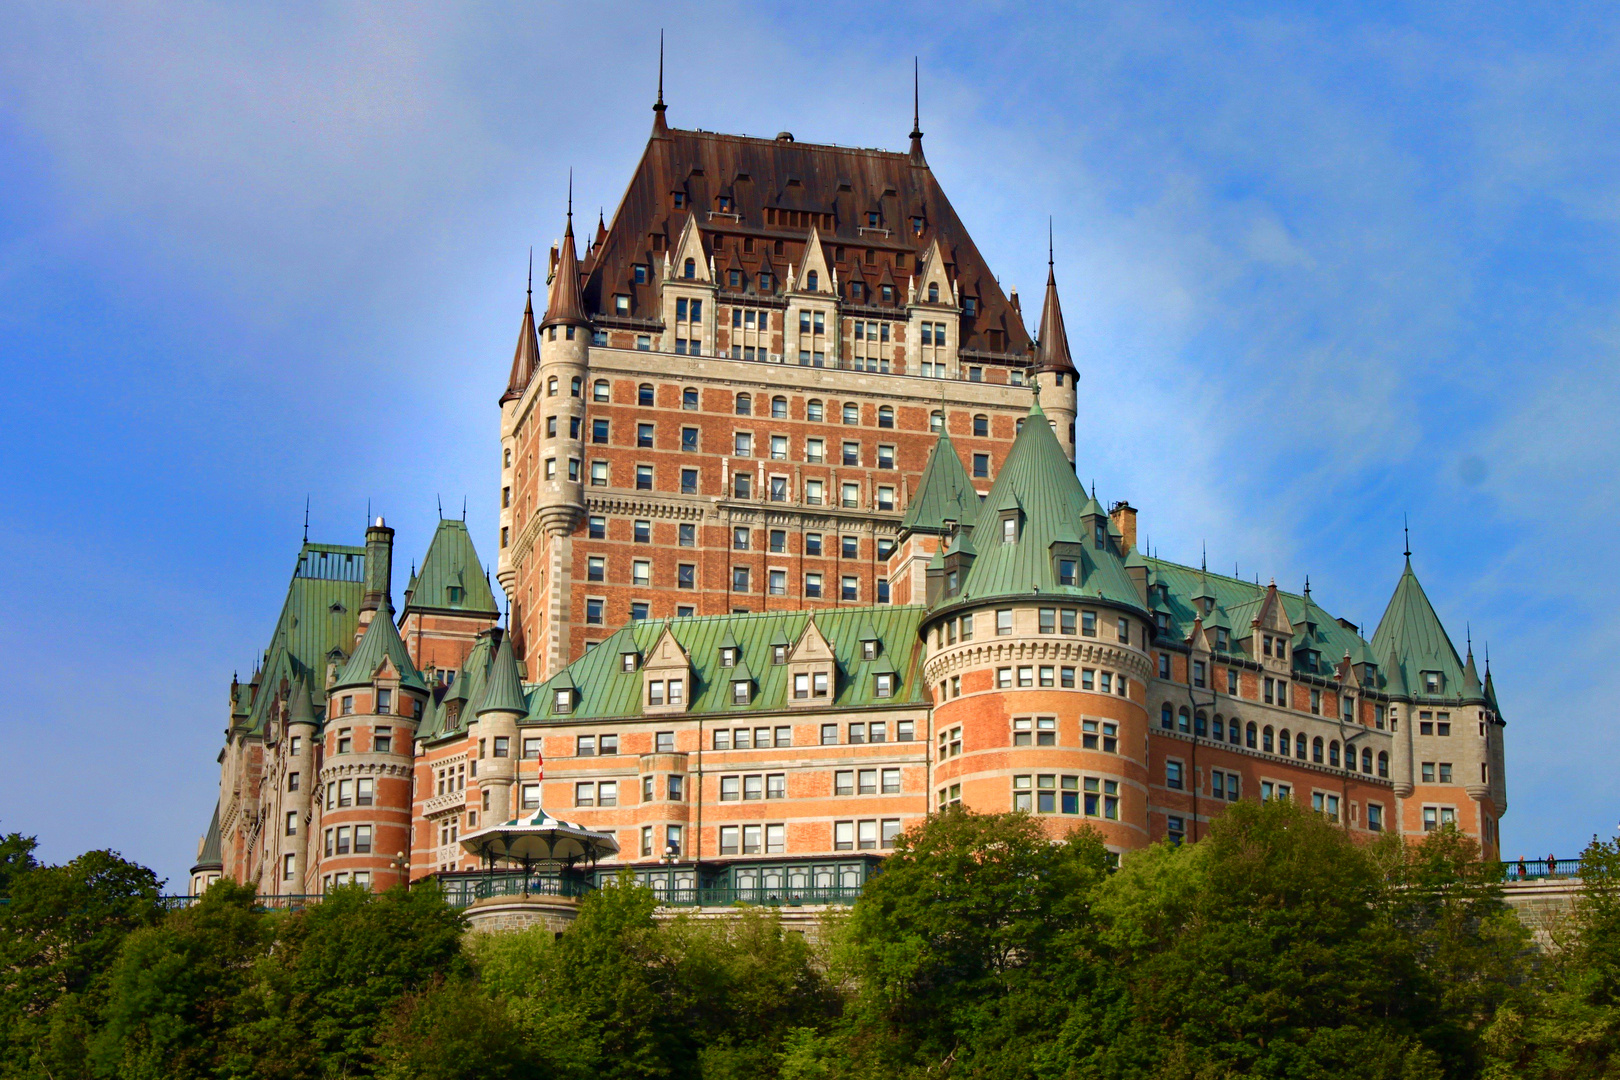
pixel 1307 584
pixel 1468 634
pixel 1203 560
pixel 306 519
pixel 439 501
pixel 569 231
pixel 916 111
pixel 530 287
pixel 464 509
pixel 1049 245
pixel 658 106
pixel 1406 531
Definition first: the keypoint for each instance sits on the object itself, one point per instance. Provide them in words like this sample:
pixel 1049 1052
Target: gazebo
pixel 537 838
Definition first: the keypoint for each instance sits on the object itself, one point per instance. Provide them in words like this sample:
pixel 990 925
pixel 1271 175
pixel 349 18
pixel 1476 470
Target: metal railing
pixel 725 896
pixel 463 891
pixel 1540 869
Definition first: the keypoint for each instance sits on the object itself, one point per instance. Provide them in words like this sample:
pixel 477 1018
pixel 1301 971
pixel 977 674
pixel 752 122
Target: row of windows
pixel 1073 621
pixel 1275 691
pixel 640 610
pixel 815 492
pixel 338 840
pixel 742 539
pixel 815 410
pixel 1052 793
pixel 340 793
pixel 1254 737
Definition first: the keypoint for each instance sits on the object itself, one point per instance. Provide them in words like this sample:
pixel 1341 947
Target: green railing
pixel 725 896
pixel 463 891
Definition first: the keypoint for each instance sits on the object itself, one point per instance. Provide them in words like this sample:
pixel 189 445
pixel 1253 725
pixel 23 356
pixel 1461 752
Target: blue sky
pixel 1322 267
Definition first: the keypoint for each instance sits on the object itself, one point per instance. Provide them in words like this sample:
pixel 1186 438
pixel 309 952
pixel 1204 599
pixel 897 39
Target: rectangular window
pixel 812 585
pixel 1172 775
pixel 729 839
pixel 843 836
pixel 829 734
pixel 1088 624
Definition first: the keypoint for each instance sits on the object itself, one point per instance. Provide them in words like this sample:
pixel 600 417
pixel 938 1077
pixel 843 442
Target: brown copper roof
pixel 527 356
pixel 757 200
pixel 1054 339
pixel 563 304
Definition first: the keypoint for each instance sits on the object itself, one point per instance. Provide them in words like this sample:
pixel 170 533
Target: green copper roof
pixel 945 493
pixel 318 617
pixel 1410 635
pixel 300 706
pixel 1038 480
pixel 209 858
pixel 605 691
pixel 381 641
pixel 504 690
pixel 451 578
pixel 448 712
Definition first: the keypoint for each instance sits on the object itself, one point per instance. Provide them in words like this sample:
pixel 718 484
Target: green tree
pixel 454 1030
pixel 176 990
pixel 59 935
pixel 962 951
pixel 16 859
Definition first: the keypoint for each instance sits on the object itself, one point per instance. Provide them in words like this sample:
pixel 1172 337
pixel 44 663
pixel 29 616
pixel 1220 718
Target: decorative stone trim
pixel 955 659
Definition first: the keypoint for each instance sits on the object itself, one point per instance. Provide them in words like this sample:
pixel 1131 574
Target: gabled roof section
pixel 319 616
pixel 690 246
pixel 945 492
pixel 779 191
pixel 448 712
pixel 503 692
pixel 1038 480
pixel 604 691
pixel 451 562
pixel 1410 635
pixel 813 261
pixel 381 644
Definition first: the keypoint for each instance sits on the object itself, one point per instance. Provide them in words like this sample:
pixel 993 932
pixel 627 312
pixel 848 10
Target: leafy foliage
pixel 1275 947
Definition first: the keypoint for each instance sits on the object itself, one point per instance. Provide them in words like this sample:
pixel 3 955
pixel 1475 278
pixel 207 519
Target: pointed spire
pixel 916 113
pixel 301 709
pixel 660 128
pixel 1406 533
pixel 564 304
pixel 1053 339
pixel 527 356
pixel 504 690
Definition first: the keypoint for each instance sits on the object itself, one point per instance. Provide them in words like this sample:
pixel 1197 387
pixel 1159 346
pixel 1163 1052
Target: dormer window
pixel 1100 535
pixel 1431 682
pixel 726 204
pixel 1067 572
pixel 680 200
pixel 742 691
pixel 810 280
pixel 883 684
pixel 888 294
pixel 457 594
pixel 869 650
pixel 1009 529
pixel 385 701
pixel 917 224
pixel 689 269
pixel 563 702
pixel 1162 621
pixel 1221 641
pixel 728 658
pixel 933 292
pixel 764 283
pixel 970 306
pixel 871 219
pixel 812 685
pixel 627 662
pixel 779 654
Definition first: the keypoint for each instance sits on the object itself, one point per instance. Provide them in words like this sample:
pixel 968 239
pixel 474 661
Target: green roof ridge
pixel 381 641
pixel 452 562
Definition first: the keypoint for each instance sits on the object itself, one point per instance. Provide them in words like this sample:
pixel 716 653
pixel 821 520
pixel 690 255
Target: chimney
pixel 379 570
pixel 1123 515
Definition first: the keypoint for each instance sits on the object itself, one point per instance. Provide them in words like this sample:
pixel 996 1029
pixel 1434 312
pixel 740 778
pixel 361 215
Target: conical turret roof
pixel 564 304
pixel 504 690
pixel 526 359
pixel 210 858
pixel 300 708
pixel 451 578
pixel 381 642
pixel 1038 480
pixel 1053 354
pixel 945 492
pixel 1411 637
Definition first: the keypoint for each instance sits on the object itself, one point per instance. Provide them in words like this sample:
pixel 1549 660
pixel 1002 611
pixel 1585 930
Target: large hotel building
pixel 795 554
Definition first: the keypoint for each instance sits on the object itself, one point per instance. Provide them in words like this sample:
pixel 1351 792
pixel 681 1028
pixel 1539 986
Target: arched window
pixel 1185 720
pixel 1299 746
pixel 981 426
pixel 644 395
pixel 599 390
pixel 689 398
pixel 574 385
pixel 1366 760
pixel 1250 736
pixel 1316 750
pixel 551 386
pixel 1200 724
pixel 1167 717
pixel 1217 729
pixel 1333 754
pixel 1383 764
pixel 689 269
pixel 779 408
pixel 1237 736
pixel 745 405
pixel 1266 739
pixel 810 281
pixel 936 422
pixel 933 292
pixel 885 416
pixel 814 410
pixel 1285 743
